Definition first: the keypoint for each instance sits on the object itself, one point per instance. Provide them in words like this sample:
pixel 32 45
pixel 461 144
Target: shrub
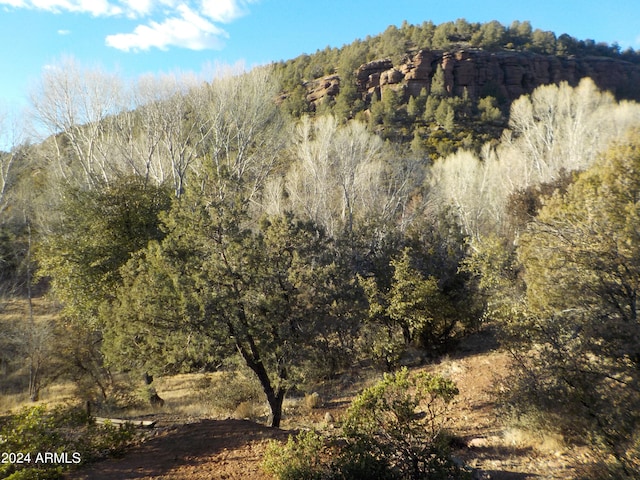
pixel 299 459
pixel 393 430
pixel 67 432
pixel 401 420
pixel 227 390
pixel 312 401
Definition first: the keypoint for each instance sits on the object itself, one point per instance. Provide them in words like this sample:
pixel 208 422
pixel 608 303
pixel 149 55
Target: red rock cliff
pixel 501 74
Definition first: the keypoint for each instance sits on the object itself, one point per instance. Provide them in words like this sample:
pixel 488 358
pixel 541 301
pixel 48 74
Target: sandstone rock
pixel 377 66
pixel 320 88
pixel 504 74
pixel 390 77
pixel 373 81
pixel 419 67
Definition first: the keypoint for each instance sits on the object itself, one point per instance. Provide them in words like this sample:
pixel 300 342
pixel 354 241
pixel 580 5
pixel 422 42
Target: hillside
pixel 397 80
pixel 274 239
pixel 503 74
pixel 198 447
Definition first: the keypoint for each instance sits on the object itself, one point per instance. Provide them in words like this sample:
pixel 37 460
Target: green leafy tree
pixel 464 29
pixel 489 110
pixel 349 103
pixel 414 303
pixel 413 108
pixel 154 326
pixel 430 108
pixel 519 33
pixel 543 41
pixel 393 113
pixel 490 35
pixel 445 115
pixel 438 83
pixel 100 229
pixel 443 35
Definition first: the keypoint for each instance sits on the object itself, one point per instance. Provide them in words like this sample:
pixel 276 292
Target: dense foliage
pixel 434 123
pixel 179 224
pixel 396 42
pixel 586 242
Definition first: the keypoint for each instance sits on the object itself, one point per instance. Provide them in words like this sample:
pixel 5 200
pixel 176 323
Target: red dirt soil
pixel 234 449
pixel 208 449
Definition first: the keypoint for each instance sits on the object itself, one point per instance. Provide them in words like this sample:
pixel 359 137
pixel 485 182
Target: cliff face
pixel 506 75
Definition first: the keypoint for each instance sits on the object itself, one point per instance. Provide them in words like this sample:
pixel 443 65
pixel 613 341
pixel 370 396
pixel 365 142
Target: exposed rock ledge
pixel 502 74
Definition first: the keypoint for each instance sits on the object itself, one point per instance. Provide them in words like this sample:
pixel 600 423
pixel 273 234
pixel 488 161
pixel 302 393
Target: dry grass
pixel 15 312
pixel 312 401
pixel 56 394
pixel 542 442
pixel 222 395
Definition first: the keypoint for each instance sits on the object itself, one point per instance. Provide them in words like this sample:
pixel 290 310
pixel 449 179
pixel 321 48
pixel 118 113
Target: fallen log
pixel 118 421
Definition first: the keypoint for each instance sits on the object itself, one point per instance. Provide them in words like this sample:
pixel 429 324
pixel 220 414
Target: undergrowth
pixel 40 443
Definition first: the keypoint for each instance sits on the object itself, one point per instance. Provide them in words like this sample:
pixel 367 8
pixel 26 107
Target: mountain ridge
pixel 478 59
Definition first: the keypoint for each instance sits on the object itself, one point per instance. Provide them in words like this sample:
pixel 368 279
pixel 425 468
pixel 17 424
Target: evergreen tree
pixel 438 83
pixel 585 373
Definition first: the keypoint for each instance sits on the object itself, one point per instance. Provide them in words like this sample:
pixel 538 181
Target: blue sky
pixel 136 37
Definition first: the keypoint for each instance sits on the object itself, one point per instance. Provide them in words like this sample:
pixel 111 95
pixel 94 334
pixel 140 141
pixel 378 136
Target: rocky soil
pixel 198 449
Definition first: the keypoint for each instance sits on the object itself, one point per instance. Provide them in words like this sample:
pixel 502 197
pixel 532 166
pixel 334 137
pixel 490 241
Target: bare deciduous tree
pixel 340 176
pixel 557 128
pixel 12 139
pixel 242 130
pixel 72 103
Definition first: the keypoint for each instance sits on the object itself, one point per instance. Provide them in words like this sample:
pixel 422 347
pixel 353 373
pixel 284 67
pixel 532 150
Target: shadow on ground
pixel 181 447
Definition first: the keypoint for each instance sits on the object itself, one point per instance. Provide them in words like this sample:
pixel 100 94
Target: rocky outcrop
pixel 506 74
pixel 320 88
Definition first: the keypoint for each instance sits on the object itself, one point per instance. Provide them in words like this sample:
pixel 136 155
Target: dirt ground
pixel 233 449
pixel 207 449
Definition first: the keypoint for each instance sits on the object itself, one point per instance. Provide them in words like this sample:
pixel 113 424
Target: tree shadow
pixel 489 453
pixel 483 341
pixel 185 445
pixel 506 475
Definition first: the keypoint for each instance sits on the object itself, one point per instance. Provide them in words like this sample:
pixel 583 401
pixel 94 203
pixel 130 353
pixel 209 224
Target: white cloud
pixel 217 10
pixel 191 24
pixel 64 32
pixel 137 8
pixel 224 10
pixel 13 3
pixel 93 7
pixel 189 30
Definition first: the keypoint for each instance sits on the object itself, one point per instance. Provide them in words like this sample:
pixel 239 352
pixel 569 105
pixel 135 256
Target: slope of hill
pixel 504 74
pixel 231 448
pixel 447 86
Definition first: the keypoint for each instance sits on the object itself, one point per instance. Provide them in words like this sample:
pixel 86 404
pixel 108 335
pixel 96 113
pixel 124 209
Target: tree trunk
pixel 275 405
pixel 275 398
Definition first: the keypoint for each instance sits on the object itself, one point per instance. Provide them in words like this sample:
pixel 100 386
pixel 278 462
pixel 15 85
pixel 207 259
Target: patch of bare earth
pixel 234 449
pixel 206 449
pixel 488 445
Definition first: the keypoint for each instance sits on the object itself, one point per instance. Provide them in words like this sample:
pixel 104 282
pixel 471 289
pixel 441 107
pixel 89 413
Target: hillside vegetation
pixel 185 227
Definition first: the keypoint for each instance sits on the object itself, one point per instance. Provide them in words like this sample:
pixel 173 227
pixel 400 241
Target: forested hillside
pixel 183 227
pixel 447 86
